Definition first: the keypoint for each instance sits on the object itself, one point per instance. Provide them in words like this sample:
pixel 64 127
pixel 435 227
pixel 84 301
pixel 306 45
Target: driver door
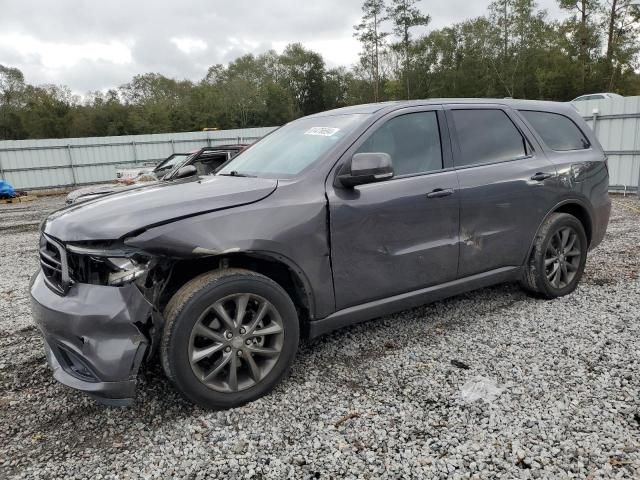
pixel 398 235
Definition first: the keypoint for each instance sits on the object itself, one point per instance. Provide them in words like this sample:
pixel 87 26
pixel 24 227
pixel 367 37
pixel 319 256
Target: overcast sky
pixel 95 45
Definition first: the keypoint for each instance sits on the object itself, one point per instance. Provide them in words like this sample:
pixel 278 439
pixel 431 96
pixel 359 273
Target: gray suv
pixel 333 219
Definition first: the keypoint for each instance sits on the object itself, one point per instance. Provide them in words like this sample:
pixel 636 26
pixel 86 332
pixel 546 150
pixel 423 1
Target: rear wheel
pixel 229 338
pixel 558 258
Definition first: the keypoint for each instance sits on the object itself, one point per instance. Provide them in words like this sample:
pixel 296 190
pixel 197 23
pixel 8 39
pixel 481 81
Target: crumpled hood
pixel 115 215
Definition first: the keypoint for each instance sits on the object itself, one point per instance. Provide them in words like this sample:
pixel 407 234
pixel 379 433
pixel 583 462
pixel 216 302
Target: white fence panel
pixel 616 123
pixel 52 163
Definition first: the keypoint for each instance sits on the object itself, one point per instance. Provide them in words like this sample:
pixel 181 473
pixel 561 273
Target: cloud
pixel 90 45
pixel 64 54
pixel 189 45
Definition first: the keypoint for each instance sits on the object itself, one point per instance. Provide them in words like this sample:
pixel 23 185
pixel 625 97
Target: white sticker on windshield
pixel 322 131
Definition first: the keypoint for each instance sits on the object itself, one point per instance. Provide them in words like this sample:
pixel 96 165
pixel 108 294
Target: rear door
pixel 401 234
pixel 505 181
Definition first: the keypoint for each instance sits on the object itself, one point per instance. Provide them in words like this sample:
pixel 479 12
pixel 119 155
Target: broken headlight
pixel 107 266
pixel 125 270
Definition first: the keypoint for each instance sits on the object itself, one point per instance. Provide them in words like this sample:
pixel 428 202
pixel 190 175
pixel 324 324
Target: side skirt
pixel 404 301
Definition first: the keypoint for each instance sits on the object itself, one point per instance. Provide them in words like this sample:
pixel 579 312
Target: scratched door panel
pixel 501 208
pixel 389 238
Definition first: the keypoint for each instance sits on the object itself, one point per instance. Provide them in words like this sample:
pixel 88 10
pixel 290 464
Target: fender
pixel 289 263
pixel 566 201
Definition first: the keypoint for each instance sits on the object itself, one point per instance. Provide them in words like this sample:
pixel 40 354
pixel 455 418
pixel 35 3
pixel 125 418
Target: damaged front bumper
pixel 93 336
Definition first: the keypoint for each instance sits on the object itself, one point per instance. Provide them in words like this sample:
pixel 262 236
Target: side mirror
pixel 186 171
pixel 368 168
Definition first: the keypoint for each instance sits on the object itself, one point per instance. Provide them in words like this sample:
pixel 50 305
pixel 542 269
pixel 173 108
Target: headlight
pixel 113 265
pixel 126 270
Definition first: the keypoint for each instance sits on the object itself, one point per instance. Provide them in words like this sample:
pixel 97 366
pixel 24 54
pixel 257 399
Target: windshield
pixel 292 148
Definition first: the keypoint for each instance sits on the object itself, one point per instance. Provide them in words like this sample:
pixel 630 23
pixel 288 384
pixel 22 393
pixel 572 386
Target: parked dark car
pixel 204 161
pixel 333 219
pixel 158 170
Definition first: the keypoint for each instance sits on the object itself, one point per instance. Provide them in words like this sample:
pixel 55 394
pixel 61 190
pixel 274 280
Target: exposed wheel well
pixel 276 270
pixel 581 214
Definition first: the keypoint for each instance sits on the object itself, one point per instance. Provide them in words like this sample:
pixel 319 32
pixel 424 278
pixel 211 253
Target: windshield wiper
pixel 235 173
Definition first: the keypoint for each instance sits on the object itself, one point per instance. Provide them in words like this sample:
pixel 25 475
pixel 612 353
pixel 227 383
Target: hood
pixel 117 214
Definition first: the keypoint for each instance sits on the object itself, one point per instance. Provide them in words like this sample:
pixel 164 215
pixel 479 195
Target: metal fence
pixel 616 123
pixel 56 163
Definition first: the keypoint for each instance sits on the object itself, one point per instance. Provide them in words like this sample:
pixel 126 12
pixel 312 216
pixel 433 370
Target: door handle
pixel 440 192
pixel 540 176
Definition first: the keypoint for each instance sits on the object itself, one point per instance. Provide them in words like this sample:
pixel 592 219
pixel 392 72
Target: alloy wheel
pixel 562 257
pixel 236 342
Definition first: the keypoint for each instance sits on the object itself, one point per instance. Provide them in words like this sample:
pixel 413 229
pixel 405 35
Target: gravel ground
pixel 379 400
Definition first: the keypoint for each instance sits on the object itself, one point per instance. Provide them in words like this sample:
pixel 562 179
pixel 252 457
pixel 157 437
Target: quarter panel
pixel 583 178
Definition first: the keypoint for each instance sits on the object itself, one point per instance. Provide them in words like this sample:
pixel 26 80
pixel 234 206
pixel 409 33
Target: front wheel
pixel 558 258
pixel 230 336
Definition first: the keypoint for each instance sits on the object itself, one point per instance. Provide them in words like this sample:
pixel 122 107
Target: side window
pixel 487 136
pixel 557 131
pixel 412 141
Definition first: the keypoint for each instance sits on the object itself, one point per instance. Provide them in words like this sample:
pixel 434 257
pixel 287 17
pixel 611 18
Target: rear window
pixel 557 131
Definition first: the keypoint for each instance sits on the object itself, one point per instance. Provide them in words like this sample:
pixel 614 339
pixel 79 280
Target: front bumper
pixel 92 337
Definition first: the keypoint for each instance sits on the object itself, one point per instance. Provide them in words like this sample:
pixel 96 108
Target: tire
pixel 201 345
pixel 550 273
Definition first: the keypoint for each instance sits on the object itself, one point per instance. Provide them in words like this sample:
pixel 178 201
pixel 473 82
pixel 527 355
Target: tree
pixel 46 112
pixel 405 15
pixel 520 31
pixel 12 89
pixel 583 32
pixel 279 105
pixel 623 37
pixel 338 85
pixel 241 86
pixel 369 33
pixel 303 73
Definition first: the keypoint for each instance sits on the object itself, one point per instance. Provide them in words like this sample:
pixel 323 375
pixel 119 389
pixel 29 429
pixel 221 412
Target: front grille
pixel 53 260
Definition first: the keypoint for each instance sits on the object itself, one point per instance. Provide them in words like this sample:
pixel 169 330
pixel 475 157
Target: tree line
pixel 514 50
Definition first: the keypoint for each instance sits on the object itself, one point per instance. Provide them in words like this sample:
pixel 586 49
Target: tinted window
pixel 557 131
pixel 487 136
pixel 412 141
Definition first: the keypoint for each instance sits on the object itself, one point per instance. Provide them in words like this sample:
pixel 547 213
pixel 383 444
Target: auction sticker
pixel 322 131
